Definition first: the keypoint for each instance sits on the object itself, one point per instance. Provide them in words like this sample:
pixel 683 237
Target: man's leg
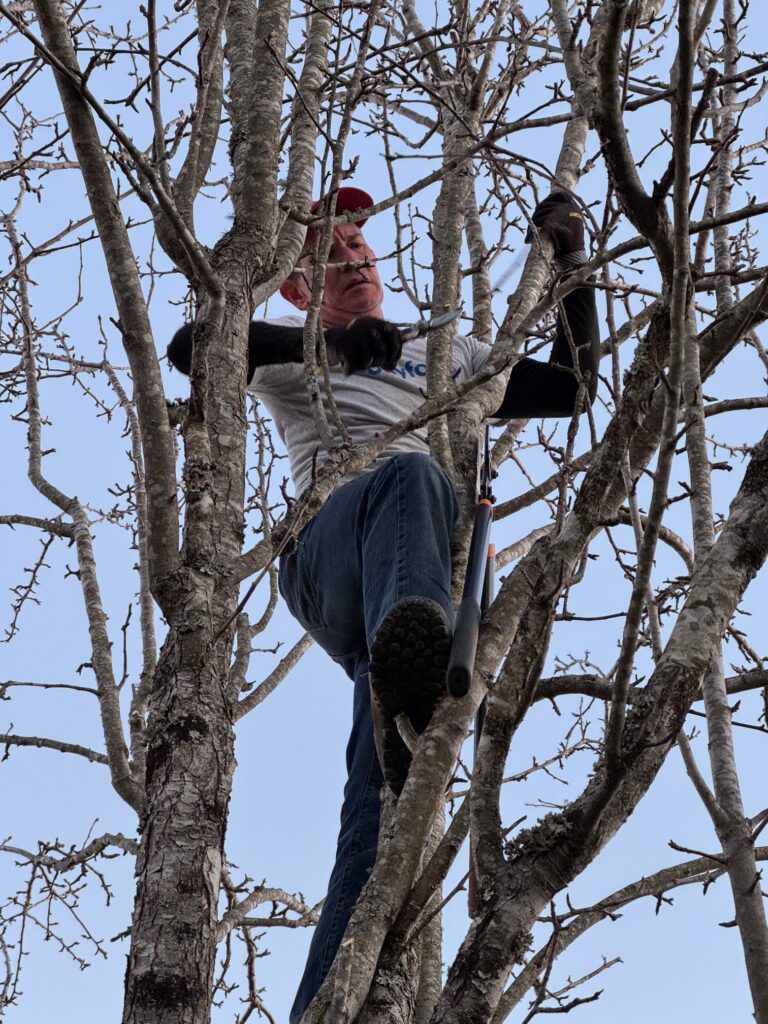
pixel 380 538
pixel 356 847
pixel 410 512
pixel 321 583
pixel 410 623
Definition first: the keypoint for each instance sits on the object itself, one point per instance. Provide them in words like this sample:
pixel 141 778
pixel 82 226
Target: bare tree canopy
pixel 172 163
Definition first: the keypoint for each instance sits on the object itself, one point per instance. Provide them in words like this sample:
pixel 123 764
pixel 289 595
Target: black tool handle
pixel 464 646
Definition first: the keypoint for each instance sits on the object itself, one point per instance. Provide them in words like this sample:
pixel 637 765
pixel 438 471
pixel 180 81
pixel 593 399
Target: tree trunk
pixel 189 778
pixel 190 751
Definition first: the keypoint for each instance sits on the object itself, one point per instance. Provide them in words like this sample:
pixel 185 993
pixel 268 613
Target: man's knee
pixel 419 465
pixel 422 475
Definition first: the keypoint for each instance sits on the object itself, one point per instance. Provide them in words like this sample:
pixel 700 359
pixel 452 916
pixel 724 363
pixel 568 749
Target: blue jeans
pixel 379 538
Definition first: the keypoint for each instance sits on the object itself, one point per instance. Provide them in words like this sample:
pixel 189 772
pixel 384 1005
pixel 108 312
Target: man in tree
pixel 370 577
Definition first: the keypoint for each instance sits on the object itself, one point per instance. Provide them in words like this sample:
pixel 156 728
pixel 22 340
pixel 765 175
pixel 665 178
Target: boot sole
pixel 409 659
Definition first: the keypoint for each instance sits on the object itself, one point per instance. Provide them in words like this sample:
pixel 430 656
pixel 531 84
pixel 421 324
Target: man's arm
pixel 268 345
pixel 364 342
pixel 549 389
pixel 544 389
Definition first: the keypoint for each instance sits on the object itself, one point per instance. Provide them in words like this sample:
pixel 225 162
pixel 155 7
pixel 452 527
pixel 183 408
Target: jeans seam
pixel 401 553
pixel 295 566
pixel 308 582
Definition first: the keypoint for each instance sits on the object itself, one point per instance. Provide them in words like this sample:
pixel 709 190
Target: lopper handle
pixel 464 648
pixel 462 659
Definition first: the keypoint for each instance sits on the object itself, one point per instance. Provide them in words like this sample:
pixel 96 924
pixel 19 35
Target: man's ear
pixel 294 290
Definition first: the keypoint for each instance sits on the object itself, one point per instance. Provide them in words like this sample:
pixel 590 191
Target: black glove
pixel 365 342
pixel 558 217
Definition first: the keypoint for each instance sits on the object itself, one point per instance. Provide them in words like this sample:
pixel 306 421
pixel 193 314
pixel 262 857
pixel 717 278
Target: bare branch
pixel 12 740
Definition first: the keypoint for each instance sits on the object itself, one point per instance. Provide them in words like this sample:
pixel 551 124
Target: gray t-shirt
pixel 368 401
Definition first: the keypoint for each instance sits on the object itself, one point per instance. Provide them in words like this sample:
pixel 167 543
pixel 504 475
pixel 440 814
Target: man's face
pixel 350 291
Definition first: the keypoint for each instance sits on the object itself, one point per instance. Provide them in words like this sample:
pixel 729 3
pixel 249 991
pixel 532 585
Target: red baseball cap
pixel 348 200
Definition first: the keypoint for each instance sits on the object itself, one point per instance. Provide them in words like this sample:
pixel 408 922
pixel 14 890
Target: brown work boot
pixel 409 658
